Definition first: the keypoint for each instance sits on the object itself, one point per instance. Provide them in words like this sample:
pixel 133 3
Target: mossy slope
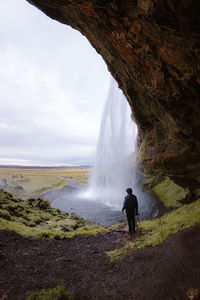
pixel 35 217
pixel 157 230
pixel 172 191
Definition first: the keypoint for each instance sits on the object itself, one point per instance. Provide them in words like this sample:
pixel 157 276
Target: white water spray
pixel 113 169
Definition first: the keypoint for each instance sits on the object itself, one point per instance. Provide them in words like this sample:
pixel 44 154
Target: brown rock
pixel 152 48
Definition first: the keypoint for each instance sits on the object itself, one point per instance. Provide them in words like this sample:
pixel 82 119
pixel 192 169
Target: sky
pixel 53 86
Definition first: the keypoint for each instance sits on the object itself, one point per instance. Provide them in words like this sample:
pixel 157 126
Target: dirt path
pixel 164 272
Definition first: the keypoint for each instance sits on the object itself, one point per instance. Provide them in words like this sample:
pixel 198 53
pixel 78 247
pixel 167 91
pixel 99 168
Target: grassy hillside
pixel 156 231
pixel 27 183
pixel 35 217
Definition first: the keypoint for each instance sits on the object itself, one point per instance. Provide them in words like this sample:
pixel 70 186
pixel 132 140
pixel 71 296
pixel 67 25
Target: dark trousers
pixel 131 222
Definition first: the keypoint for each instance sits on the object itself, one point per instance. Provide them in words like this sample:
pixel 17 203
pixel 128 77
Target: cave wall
pixel 152 49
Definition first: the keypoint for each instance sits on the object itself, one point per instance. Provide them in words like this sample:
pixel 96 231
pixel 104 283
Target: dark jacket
pixel 130 204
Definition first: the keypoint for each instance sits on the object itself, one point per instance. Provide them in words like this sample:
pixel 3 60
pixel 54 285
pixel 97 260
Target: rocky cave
pixel 152 49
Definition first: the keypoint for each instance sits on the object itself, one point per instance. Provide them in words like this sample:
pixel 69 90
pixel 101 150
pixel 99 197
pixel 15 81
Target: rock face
pixel 152 49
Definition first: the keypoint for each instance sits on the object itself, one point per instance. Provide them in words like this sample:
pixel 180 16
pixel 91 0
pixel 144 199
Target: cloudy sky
pixel 53 86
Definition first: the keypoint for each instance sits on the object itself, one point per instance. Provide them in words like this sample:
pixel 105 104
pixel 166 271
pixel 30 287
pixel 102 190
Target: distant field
pixel 28 183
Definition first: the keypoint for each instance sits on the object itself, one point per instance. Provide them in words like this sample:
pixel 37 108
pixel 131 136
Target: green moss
pixel 5 214
pixel 141 152
pixel 51 230
pixel 113 260
pixel 197 192
pixel 58 293
pixel 170 193
pixel 151 180
pixel 38 218
pixel 92 230
pixel 158 230
pixel 117 254
pixel 184 217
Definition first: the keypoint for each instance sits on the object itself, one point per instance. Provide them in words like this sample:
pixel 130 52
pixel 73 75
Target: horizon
pixel 45 166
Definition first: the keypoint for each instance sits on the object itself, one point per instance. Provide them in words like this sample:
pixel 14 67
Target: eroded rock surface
pixel 152 48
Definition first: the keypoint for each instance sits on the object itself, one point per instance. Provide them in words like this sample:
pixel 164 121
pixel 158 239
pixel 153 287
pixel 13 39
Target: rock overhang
pixel 152 49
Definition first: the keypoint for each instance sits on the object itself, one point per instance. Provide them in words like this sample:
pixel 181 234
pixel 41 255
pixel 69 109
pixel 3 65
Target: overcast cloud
pixel 53 86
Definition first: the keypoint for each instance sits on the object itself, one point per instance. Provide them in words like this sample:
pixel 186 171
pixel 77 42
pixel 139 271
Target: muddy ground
pixel 168 271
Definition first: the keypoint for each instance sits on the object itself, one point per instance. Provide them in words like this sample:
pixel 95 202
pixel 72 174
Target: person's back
pixel 131 207
pixel 131 203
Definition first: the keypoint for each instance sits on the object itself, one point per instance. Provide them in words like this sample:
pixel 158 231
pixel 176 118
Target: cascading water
pixel 113 171
pixel 115 164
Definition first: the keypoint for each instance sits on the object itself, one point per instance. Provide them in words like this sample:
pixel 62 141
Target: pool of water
pixel 67 199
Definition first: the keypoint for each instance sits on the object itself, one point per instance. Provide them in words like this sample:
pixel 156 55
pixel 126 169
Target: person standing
pixel 131 207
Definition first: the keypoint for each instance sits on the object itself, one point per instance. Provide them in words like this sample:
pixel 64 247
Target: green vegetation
pixel 26 183
pixel 82 178
pixel 58 293
pixel 179 219
pixel 35 217
pixel 34 187
pixel 114 259
pixel 170 193
pixel 197 192
pixel 141 152
pixel 156 231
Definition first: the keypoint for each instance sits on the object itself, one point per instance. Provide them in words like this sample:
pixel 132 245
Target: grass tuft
pixel 58 293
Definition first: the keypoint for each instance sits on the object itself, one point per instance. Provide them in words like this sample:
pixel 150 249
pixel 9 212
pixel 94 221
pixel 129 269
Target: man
pixel 131 207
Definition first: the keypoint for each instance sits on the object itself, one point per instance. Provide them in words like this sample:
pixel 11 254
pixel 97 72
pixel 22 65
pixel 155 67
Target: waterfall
pixel 115 167
pixel 113 170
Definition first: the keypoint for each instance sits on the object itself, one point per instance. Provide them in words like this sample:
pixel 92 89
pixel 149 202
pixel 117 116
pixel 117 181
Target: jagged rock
pixel 152 48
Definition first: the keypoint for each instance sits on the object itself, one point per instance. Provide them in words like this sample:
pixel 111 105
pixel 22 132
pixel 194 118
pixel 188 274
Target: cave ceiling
pixel 152 49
